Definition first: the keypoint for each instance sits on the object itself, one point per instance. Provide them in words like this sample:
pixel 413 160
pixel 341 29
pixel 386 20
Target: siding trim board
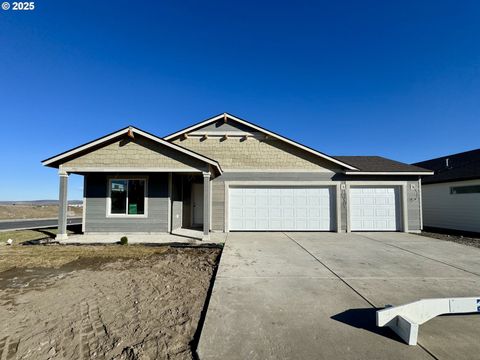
pixel 169 213
pixel 420 202
pixel 84 203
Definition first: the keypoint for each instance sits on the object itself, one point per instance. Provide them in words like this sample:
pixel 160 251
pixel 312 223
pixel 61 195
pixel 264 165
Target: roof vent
pixel 447 162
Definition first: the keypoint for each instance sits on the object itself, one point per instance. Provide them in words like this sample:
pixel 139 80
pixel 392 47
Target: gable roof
pixel 370 165
pixel 454 167
pixel 52 161
pixel 263 130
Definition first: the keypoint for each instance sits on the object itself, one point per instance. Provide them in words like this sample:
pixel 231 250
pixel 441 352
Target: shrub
pixel 124 240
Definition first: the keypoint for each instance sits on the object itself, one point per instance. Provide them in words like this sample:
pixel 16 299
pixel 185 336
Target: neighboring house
pixel 451 197
pixel 227 174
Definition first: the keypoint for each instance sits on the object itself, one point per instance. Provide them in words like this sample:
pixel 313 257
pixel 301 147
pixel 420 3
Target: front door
pixel 197 190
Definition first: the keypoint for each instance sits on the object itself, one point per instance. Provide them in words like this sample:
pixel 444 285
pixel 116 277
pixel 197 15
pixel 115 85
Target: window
pixel 465 189
pixel 127 196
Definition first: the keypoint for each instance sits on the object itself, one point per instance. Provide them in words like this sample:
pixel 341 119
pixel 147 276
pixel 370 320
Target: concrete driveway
pixel 313 296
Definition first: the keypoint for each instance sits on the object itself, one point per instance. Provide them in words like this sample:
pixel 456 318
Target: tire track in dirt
pixel 126 309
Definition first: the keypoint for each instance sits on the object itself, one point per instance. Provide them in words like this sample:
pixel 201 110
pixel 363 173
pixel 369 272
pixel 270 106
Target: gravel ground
pixel 102 308
pixel 464 240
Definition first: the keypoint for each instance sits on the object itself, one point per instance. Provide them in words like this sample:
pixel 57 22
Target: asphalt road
pixel 34 223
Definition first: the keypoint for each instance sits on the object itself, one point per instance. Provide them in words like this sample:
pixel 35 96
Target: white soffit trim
pixel 231 170
pixel 140 132
pixel 129 169
pixel 389 172
pixel 269 133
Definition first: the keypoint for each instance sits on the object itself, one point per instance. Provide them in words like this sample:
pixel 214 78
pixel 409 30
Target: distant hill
pixel 39 202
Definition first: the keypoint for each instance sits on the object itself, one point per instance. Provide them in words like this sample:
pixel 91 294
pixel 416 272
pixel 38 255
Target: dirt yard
pixel 464 240
pixel 10 212
pixel 102 302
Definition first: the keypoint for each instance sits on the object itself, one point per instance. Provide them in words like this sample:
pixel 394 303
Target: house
pixel 451 197
pixel 227 174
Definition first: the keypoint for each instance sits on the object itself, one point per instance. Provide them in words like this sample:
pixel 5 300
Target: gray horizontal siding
pixel 96 219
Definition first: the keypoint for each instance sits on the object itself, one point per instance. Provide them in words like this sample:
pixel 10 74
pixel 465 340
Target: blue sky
pixel 396 79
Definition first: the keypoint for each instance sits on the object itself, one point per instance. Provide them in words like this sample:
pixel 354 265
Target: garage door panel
pixel 374 208
pixel 301 213
pixel 381 212
pixel 367 200
pixel 262 213
pixel 314 212
pixel 275 212
pixel 380 200
pixel 262 200
pixel 260 223
pixel 288 213
pixel 294 208
pixel 250 213
pixel 300 200
pixel 275 200
pixel 382 224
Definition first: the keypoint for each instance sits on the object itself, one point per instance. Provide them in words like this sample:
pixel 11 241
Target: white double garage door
pixel 295 208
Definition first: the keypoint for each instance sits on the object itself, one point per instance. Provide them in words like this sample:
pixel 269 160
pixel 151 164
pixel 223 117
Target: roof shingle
pixel 378 164
pixel 461 166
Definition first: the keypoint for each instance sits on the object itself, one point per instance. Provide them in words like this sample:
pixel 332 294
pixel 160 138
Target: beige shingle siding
pixel 218 205
pixel 254 154
pixel 139 153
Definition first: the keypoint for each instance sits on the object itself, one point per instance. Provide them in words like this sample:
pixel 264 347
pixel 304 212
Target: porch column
pixel 62 206
pixel 206 206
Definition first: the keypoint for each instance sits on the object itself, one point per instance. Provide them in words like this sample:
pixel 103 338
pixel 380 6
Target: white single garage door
pixel 374 209
pixel 280 208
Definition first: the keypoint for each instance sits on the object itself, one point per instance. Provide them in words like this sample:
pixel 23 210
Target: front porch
pixel 135 182
pixel 153 207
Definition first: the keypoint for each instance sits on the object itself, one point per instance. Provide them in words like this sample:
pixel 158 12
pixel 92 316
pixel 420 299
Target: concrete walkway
pixel 313 296
pixel 180 237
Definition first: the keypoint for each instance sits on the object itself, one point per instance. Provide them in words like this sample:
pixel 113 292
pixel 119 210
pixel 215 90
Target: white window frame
pixel 127 215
